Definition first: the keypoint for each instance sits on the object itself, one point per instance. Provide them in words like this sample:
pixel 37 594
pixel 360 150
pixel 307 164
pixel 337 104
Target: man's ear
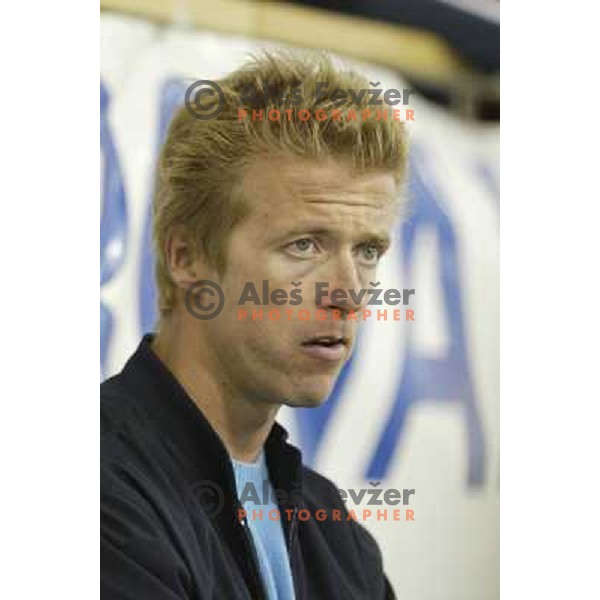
pixel 182 260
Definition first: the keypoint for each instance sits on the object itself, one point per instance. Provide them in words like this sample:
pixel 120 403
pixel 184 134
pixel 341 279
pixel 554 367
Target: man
pixel 190 421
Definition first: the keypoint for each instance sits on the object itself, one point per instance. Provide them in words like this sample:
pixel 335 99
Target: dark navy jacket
pixel 170 527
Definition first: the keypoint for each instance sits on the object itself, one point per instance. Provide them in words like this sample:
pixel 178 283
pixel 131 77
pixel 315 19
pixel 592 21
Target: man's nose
pixel 340 286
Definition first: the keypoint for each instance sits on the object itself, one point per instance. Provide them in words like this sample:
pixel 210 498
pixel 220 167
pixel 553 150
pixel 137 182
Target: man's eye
pixel 303 246
pixel 371 252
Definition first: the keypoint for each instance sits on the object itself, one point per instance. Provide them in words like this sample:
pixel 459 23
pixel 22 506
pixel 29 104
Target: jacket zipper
pixel 292 531
pixel 253 557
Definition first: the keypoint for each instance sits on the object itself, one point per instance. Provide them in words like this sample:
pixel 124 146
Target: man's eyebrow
pixel 307 230
pixel 383 239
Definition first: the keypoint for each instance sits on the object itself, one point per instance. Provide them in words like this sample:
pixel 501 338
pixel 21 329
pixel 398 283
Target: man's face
pixel 309 222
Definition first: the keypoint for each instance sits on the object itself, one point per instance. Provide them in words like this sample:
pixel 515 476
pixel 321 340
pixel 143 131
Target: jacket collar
pixel 184 427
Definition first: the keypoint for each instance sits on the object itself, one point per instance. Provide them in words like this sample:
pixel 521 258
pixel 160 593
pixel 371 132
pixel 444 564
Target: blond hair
pixel 202 161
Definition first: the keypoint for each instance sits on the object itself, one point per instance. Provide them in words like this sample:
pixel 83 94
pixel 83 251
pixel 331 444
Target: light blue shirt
pixel 267 534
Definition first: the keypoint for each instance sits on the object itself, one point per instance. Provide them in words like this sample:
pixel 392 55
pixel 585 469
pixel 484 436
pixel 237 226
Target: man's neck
pixel 242 424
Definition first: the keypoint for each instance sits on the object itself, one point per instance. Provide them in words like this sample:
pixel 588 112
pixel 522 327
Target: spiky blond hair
pixel 202 161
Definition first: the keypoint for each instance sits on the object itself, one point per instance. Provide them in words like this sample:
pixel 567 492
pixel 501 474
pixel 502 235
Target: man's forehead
pixel 308 184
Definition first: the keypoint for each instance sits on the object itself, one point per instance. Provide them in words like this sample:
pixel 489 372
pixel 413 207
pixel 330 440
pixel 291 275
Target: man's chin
pixel 308 392
pixel 306 401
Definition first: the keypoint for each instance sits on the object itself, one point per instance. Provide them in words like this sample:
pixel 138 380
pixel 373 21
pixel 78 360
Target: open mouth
pixel 330 348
